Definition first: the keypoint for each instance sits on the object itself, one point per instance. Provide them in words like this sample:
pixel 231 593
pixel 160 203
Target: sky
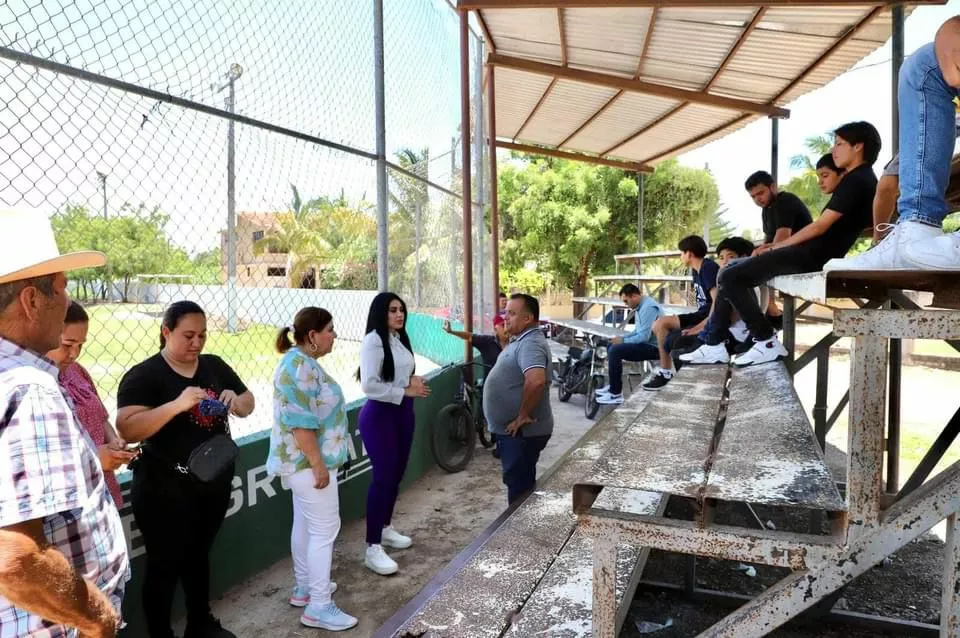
pixel 860 94
pixel 316 76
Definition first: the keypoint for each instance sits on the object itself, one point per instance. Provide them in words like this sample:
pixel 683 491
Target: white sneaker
pixel 891 252
pixel 392 538
pixel 604 390
pixel 937 253
pixel 610 399
pixel 329 617
pixel 761 352
pixel 707 354
pixel 378 562
pixel 300 597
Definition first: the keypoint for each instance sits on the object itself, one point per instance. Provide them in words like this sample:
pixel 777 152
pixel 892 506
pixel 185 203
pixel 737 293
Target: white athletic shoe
pixel 761 352
pixel 329 617
pixel 892 251
pixel 392 538
pixel 378 562
pixel 706 355
pixel 604 390
pixel 300 597
pixel 937 253
pixel 610 399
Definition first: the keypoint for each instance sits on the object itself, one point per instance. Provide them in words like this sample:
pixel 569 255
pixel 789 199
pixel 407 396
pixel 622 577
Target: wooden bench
pixel 532 572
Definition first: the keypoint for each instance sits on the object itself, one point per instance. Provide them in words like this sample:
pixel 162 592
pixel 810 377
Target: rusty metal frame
pixel 822 565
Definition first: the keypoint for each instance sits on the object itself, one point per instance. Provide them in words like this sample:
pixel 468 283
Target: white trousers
pixel 316 523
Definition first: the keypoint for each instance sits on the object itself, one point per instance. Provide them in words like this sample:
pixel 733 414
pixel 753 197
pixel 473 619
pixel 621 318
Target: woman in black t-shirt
pixel 159 404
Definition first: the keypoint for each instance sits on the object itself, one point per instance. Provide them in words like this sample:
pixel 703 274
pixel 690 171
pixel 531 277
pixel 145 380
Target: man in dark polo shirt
pixel 516 399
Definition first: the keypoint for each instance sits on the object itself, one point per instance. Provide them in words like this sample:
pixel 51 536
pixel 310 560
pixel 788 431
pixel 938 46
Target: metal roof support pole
pixel 465 171
pixel 774 147
pixel 478 133
pixel 639 264
pixel 494 202
pixel 896 345
pixel 381 147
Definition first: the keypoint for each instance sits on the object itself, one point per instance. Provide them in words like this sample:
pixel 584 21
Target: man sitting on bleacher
pixel 693 255
pixel 848 212
pixel 929 81
pixel 639 345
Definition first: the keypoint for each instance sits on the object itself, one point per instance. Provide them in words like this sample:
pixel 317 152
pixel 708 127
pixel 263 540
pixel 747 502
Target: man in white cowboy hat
pixel 63 557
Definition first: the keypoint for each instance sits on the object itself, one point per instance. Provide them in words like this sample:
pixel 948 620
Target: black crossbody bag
pixel 206 462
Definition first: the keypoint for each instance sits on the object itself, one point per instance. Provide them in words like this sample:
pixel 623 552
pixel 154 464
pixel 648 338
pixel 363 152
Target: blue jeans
pixel 627 352
pixel 518 457
pixel 927 134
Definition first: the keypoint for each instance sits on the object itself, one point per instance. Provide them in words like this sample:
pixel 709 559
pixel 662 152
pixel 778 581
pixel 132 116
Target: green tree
pixel 325 240
pixel 134 241
pixel 572 217
pixel 805 185
pixel 818 146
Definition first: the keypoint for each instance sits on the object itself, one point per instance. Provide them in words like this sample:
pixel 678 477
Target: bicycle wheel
pixel 486 438
pixel 454 437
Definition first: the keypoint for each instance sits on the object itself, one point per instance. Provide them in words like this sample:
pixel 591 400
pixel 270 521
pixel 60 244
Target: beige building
pixel 266 270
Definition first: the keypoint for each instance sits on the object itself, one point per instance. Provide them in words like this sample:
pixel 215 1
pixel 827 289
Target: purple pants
pixel 387 433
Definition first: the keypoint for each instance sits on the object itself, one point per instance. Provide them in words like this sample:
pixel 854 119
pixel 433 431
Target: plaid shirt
pixel 49 470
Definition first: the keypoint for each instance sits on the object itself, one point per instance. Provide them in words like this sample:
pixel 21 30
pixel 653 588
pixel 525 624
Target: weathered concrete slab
pixel 820 287
pixel 666 449
pixel 768 452
pixel 483 598
pixel 562 604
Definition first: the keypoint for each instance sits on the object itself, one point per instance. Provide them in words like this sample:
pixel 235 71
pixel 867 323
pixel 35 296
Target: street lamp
pixel 231 76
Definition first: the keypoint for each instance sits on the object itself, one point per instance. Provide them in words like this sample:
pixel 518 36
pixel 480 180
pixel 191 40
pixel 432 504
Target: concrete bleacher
pixel 534 574
pixel 526 577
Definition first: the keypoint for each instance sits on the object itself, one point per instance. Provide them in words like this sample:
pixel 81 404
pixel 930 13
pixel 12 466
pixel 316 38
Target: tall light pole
pixel 103 184
pixel 229 78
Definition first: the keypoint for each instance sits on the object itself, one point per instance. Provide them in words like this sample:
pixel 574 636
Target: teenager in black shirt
pixel 159 404
pixel 783 213
pixel 847 214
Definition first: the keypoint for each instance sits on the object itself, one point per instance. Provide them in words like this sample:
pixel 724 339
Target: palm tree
pixel 818 145
pixel 294 236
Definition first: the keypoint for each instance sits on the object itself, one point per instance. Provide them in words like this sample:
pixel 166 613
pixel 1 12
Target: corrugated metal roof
pixel 762 55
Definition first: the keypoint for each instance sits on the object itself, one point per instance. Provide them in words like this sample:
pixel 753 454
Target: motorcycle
pixel 582 372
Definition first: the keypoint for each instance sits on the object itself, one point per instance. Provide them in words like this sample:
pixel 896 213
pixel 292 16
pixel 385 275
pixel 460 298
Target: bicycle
pixel 459 424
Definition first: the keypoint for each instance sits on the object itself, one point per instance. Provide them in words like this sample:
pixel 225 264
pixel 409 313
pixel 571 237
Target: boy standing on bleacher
pixel 693 255
pixel 848 213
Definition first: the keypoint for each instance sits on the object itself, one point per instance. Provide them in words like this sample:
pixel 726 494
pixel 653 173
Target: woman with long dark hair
pixel 87 406
pixel 308 444
pixel 177 401
pixel 387 421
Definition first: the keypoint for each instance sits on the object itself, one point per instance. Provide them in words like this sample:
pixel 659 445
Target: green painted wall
pixel 256 533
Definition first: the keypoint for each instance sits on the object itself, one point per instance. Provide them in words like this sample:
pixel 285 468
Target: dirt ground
pixel 906 587
pixel 443 513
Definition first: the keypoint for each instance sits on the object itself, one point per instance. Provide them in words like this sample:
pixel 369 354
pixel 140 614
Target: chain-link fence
pixel 225 153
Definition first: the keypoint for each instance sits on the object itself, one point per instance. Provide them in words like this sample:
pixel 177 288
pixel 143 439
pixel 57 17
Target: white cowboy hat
pixel 32 249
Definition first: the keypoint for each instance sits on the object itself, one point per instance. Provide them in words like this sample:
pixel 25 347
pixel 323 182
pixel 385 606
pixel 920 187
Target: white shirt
pixel 371 364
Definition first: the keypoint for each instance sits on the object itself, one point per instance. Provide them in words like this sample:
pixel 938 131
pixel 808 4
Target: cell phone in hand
pixel 212 407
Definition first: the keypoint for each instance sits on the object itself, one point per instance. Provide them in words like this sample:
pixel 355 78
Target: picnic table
pixel 590 328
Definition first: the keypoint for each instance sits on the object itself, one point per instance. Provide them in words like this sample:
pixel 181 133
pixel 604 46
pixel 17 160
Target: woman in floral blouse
pixel 308 444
